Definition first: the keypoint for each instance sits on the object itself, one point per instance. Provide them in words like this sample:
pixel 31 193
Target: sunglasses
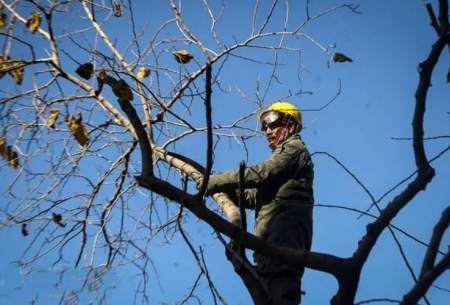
pixel 271 119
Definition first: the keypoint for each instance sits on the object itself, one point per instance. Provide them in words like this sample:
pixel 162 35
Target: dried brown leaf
pixel 3 147
pixel 13 67
pixel 339 57
pixel 57 218
pixel 17 74
pixel 142 73
pixel 34 22
pixel 3 18
pixel 53 117
pixel 77 129
pixel 85 70
pixel 182 56
pixel 12 157
pixel 3 60
pixel 24 229
pixel 117 9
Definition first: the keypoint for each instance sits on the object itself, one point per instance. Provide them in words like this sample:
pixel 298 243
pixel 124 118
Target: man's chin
pixel 271 144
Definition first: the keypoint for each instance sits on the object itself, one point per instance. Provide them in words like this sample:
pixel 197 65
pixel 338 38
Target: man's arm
pixel 249 197
pixel 285 160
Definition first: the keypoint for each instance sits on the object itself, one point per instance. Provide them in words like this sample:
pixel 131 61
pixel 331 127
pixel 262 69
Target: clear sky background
pixel 387 42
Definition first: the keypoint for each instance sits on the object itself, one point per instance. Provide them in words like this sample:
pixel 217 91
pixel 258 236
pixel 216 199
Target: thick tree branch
pixel 430 272
pixel 195 171
pixel 434 22
pixel 209 144
pixel 436 238
pixel 257 289
pixel 241 195
pixel 144 143
pixel 443 17
pixel 425 72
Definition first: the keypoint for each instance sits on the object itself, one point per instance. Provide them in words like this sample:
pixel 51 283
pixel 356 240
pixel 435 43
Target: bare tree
pixel 86 131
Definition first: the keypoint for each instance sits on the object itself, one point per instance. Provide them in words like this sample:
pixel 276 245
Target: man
pixel 280 191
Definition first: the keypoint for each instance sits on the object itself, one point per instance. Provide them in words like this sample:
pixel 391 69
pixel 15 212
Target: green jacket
pixel 280 190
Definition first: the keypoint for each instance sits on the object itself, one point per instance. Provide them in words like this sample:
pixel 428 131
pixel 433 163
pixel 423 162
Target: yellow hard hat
pixel 285 108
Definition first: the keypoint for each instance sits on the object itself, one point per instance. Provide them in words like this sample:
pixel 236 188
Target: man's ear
pixel 296 128
pixel 293 129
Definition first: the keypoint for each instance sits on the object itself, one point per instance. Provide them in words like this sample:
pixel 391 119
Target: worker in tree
pixel 280 191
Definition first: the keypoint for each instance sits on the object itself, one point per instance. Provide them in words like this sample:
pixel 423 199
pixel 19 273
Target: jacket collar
pixel 290 139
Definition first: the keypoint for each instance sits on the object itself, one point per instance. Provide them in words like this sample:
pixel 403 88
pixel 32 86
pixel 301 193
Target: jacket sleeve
pixel 249 197
pixel 283 161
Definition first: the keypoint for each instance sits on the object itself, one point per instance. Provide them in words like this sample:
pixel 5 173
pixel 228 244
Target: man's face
pixel 276 127
pixel 276 134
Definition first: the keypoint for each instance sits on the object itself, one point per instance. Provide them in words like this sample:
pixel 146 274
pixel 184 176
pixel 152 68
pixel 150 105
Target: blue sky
pixel 386 42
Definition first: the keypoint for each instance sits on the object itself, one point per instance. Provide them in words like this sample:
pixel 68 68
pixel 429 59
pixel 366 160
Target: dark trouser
pixel 280 226
pixel 284 287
